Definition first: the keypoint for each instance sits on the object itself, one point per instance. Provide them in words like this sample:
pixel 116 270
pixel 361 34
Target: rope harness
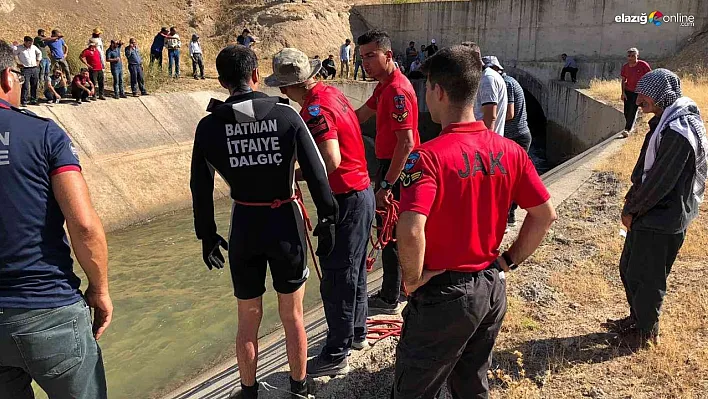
pixel 297 197
pixel 384 233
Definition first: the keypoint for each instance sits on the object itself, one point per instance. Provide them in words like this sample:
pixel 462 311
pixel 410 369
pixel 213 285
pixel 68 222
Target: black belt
pixel 452 277
pixel 348 194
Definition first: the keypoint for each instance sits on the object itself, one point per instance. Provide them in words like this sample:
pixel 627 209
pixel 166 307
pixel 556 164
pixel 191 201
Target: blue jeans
pixel 44 67
pixel 343 285
pixel 137 78
pixel 173 58
pixel 117 73
pixel 54 347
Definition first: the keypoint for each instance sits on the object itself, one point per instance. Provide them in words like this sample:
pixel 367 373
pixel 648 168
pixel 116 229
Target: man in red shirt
pixel 454 202
pixel 91 57
pixel 395 105
pixel 81 86
pixel 631 73
pixel 336 131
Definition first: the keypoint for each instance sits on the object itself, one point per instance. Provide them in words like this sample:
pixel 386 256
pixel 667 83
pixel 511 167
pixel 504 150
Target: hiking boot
pixel 624 134
pixel 319 366
pixel 361 345
pixel 380 305
pixel 300 389
pixel 246 392
pixel 637 339
pixel 619 326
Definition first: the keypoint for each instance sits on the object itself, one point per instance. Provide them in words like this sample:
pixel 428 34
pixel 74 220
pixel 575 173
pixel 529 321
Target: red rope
pixel 308 224
pixel 381 236
pixel 379 329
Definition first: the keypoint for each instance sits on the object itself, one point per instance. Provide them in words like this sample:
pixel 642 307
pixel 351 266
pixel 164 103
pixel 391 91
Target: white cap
pixel 432 41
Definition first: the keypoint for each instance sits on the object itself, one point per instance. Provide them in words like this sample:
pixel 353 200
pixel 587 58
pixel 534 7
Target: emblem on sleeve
pixel 399 101
pixel 400 117
pixel 314 109
pixel 409 178
pixel 74 151
pixel 411 161
pixel 318 125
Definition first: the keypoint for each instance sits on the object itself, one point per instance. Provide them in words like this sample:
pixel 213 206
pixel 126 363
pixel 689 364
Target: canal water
pixel 173 317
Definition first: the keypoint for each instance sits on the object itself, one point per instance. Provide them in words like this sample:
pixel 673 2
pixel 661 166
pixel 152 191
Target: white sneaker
pixel 360 346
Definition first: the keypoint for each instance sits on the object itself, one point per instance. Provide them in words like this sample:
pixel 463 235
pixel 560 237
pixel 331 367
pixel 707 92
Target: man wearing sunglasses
pixel 47 331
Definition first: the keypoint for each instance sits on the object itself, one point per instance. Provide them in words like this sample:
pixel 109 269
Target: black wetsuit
pixel 253 140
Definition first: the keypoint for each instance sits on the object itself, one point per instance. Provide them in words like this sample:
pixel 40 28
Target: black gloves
pixel 324 231
pixel 210 251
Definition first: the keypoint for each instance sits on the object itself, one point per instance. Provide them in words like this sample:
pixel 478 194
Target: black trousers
pixel 331 72
pixel 156 56
pixel 630 109
pixel 573 73
pixel 524 140
pixel 343 285
pixel 198 61
pixel 29 88
pixel 449 328
pixel 98 80
pixel 77 94
pixel 645 264
pixel 391 284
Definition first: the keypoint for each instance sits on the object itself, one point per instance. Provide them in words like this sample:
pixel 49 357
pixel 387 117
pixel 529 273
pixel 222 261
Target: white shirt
pixel 492 90
pixel 29 57
pixel 415 65
pixel 194 48
pixel 345 52
pixel 173 42
pixel 99 47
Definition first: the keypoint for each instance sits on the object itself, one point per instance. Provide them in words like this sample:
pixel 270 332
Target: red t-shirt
pixel 79 79
pixel 632 75
pixel 396 106
pixel 329 116
pixel 93 58
pixel 464 181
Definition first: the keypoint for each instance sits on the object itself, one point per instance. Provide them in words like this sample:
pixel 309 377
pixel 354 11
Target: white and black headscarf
pixel 681 114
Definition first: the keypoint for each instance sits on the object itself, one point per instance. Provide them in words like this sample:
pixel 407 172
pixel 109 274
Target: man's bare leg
pixel 291 315
pixel 250 313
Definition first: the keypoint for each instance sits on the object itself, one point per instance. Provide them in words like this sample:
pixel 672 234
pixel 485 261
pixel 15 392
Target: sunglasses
pixel 20 77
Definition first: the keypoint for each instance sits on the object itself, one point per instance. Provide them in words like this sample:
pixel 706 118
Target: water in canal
pixel 173 317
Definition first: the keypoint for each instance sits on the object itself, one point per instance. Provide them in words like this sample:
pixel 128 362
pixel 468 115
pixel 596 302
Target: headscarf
pixel 661 85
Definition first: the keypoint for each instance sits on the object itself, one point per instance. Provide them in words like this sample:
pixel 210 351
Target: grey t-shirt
pixel 492 90
pixel 518 125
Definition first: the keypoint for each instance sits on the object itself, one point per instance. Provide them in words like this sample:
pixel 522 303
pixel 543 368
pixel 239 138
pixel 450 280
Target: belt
pixel 277 203
pixel 26 67
pixel 347 194
pixel 451 277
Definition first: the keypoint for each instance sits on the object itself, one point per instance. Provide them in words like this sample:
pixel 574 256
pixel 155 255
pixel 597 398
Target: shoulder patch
pixel 314 109
pixel 411 161
pixel 400 117
pixel 399 101
pixel 318 125
pixel 407 179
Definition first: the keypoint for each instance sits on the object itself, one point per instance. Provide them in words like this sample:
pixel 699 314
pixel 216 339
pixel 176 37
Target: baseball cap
pixel 291 66
pixel 195 36
pixel 432 41
pixel 93 42
pixel 97 31
pixel 491 60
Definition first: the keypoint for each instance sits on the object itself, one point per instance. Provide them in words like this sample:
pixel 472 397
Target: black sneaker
pixel 318 366
pixel 116 96
pixel 195 77
pixel 23 104
pixel 122 95
pixel 203 78
pixel 101 98
pixel 380 305
pixel 33 102
pixel 511 220
pixel 135 94
pixel 619 326
pixel 144 93
pixel 300 389
pixel 78 101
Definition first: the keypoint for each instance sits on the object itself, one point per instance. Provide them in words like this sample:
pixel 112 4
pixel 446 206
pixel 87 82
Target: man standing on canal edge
pixel 45 322
pixel 335 128
pixel 253 141
pixel 632 72
pixel 454 203
pixel 395 105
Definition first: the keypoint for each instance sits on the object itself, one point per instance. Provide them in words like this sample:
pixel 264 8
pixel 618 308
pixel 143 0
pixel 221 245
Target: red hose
pixel 379 329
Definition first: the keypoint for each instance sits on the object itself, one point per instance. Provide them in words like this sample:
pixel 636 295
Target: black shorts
pixel 260 236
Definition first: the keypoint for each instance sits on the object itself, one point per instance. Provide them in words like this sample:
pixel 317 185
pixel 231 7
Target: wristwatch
pixel 509 261
pixel 386 185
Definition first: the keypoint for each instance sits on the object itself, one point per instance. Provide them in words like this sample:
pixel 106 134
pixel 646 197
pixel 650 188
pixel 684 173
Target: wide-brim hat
pixel 291 66
pixel 97 31
pixel 491 60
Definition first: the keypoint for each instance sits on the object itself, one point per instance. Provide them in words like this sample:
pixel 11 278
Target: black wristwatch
pixel 386 185
pixel 509 262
